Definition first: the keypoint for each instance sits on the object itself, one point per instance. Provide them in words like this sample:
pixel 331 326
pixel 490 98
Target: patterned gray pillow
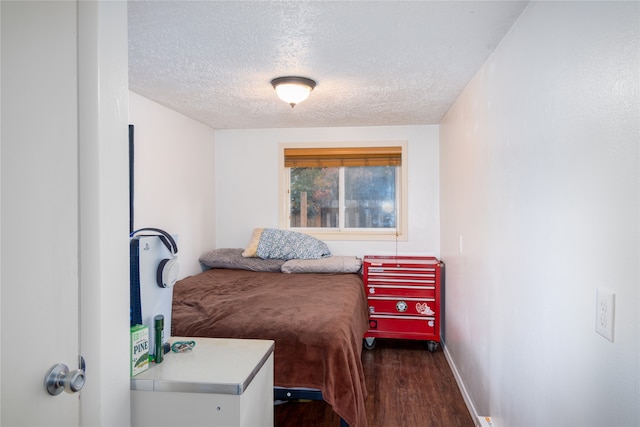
pixel 285 244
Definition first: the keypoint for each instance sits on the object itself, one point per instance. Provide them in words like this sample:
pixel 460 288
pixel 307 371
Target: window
pixel 344 191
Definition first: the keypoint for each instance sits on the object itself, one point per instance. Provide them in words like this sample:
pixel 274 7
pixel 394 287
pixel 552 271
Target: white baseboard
pixel 477 419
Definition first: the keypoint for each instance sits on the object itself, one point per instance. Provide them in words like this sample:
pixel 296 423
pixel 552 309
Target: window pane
pixel 317 188
pixel 370 197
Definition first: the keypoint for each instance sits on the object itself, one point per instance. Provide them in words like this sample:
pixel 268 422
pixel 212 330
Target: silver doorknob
pixel 59 378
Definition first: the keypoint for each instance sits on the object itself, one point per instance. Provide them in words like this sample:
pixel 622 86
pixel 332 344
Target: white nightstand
pixel 221 382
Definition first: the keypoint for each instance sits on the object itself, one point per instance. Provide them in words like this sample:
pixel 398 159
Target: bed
pixel 317 321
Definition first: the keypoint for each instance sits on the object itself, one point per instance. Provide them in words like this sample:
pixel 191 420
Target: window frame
pixel 397 234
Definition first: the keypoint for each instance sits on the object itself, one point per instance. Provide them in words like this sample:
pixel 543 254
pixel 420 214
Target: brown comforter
pixel 316 320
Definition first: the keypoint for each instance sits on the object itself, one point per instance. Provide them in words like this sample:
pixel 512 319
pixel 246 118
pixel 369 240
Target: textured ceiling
pixel 377 63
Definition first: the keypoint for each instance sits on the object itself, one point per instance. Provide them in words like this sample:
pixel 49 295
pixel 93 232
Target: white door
pixel 39 201
pixel 63 220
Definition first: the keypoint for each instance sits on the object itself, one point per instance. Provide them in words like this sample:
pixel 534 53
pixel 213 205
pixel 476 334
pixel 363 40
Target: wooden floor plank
pixel 407 386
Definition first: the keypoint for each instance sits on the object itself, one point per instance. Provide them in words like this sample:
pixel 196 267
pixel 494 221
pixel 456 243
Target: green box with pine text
pixel 139 349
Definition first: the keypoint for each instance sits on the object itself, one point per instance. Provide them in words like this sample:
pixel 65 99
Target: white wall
pixel 539 175
pixel 247 184
pixel 174 178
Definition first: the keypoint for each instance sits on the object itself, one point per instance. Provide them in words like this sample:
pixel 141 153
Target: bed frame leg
pixel 343 423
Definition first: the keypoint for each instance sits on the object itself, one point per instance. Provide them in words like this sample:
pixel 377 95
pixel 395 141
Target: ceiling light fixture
pixel 293 89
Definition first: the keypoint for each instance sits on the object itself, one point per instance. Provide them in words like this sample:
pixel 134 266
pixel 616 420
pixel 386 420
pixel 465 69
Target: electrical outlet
pixel 605 312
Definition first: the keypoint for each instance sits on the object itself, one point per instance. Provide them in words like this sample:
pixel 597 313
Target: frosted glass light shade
pixel 292 89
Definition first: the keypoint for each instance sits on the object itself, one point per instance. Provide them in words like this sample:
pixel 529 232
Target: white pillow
pixel 331 264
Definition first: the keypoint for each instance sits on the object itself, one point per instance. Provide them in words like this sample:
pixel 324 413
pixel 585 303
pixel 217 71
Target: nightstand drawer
pixel 403 306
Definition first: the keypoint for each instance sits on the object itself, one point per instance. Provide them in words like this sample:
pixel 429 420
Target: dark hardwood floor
pixel 407 387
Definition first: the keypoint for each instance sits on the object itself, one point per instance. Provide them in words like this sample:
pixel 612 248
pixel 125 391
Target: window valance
pixel 342 156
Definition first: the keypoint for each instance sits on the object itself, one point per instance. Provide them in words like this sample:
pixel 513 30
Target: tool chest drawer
pixel 374 290
pixel 406 327
pixel 404 306
pixel 403 294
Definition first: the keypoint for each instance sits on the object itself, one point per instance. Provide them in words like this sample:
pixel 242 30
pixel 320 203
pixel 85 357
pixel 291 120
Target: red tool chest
pixel 404 298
